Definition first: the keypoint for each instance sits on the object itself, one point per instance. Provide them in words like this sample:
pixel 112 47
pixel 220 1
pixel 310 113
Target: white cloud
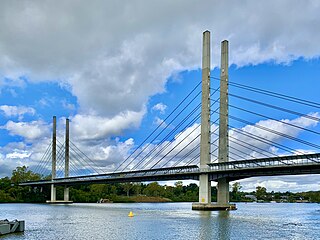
pixel 107 154
pixel 160 107
pixel 282 183
pixel 29 130
pixel 95 127
pixel 119 54
pixel 158 121
pixel 181 147
pixel 19 154
pixel 6 167
pixel 284 127
pixel 89 133
pixel 113 56
pixel 16 154
pixel 172 149
pixel 17 111
pixel 68 106
pixel 43 102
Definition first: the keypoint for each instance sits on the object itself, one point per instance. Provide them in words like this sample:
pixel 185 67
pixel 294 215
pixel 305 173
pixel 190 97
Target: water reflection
pixel 214 225
pixel 205 229
pixel 223 220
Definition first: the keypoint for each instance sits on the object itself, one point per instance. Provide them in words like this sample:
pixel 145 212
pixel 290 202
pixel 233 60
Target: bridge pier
pixel 53 194
pixel 53 198
pixel 223 154
pixel 54 160
pixel 204 182
pixel 66 162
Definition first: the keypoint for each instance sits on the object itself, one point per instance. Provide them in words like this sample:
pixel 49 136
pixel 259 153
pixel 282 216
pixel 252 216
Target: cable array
pixel 158 127
pixel 42 167
pixel 176 140
pixel 261 146
pixel 154 150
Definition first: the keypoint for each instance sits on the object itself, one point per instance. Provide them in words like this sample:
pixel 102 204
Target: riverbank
pixel 140 199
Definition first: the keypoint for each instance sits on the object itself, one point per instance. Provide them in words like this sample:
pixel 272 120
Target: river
pixel 164 221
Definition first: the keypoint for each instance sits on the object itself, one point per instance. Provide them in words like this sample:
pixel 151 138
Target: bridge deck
pixel 285 165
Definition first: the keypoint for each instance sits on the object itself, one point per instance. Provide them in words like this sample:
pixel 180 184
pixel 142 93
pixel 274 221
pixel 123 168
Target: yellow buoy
pixel 130 214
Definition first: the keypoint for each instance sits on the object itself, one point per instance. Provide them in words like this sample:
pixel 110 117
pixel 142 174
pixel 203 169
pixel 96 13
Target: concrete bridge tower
pixel 204 182
pixel 223 154
pixel 66 162
pixel 54 159
pixel 205 143
pixel 53 198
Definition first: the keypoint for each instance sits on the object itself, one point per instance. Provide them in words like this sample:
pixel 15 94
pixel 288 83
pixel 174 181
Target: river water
pixel 164 221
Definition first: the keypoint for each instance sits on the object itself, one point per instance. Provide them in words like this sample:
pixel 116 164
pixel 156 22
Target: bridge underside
pixel 158 178
pixel 235 170
pixel 231 175
pixel 164 174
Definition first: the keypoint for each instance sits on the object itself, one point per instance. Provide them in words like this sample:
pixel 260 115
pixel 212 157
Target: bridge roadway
pixel 233 170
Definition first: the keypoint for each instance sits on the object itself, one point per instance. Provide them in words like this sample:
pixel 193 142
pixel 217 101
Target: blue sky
pixel 119 72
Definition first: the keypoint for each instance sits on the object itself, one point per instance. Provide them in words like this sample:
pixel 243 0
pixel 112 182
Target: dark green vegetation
pixel 135 192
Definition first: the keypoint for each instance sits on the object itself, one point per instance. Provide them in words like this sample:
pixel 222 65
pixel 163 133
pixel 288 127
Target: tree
pixel 5 197
pixel 127 187
pixel 25 194
pixel 137 188
pixel 154 189
pixel 235 194
pixel 236 187
pixel 178 188
pixel 261 192
pixel 22 174
pixel 113 189
pixel 98 191
pixel 5 183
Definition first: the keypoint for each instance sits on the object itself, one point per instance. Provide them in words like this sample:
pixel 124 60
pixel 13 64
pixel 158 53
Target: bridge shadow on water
pixel 214 225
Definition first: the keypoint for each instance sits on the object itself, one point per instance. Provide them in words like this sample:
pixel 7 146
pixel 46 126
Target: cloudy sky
pixel 117 69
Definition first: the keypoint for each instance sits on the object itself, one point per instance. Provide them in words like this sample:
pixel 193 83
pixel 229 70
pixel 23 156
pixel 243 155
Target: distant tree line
pixel 10 191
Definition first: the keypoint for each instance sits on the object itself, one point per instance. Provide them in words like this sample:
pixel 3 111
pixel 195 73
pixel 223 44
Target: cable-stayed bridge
pixel 210 136
pixel 234 170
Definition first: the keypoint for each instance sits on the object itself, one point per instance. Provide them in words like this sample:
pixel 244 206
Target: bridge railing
pixel 121 175
pixel 294 160
pixel 145 175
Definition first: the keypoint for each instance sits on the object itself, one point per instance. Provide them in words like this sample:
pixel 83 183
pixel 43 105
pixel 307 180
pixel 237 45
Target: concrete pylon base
pixel 213 207
pixel 59 202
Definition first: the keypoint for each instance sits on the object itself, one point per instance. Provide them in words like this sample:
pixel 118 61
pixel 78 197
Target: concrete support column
pixel 54 157
pixel 205 184
pixel 66 163
pixel 53 193
pixel 66 194
pixel 204 189
pixel 223 155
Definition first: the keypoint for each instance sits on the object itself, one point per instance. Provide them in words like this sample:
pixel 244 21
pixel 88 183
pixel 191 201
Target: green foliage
pixel 22 174
pixel 154 190
pixel 236 195
pixel 127 187
pixel 137 187
pixel 78 195
pixel 261 193
pixel 5 197
pixel 10 191
pixel 5 183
